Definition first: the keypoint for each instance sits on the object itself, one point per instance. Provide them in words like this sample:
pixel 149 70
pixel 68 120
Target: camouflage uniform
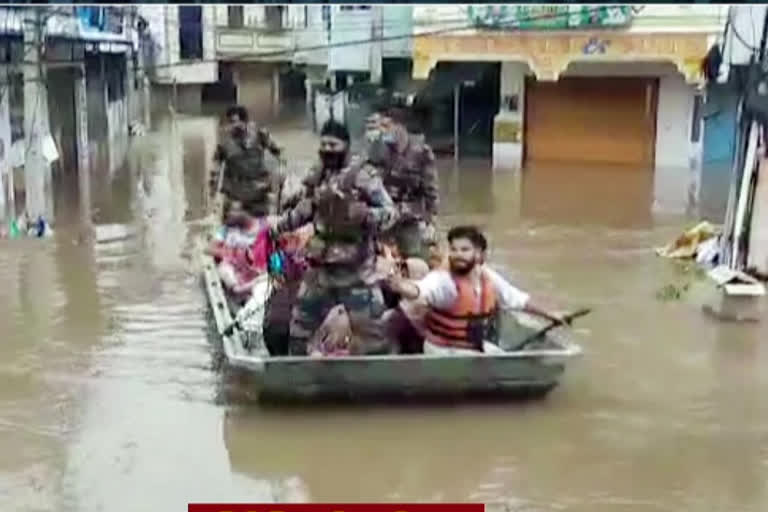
pixel 246 177
pixel 342 256
pixel 411 181
pixel 314 178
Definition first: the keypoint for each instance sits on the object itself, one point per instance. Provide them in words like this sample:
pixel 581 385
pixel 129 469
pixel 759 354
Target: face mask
pixel 238 131
pixel 333 160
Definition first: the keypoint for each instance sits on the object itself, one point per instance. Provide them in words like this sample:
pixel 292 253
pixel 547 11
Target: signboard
pixel 550 17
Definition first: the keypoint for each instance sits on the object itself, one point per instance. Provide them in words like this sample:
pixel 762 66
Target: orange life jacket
pixel 458 326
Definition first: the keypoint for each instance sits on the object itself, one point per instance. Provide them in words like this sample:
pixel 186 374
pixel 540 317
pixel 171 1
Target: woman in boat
pixel 463 300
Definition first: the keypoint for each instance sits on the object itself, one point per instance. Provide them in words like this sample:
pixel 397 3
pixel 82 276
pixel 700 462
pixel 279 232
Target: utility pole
pixel 36 167
pixel 377 34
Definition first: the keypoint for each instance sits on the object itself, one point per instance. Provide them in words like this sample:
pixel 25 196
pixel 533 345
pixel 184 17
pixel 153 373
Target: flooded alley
pixel 112 398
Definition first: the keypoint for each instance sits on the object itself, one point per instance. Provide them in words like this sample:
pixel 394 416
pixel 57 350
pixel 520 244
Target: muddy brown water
pixel 110 398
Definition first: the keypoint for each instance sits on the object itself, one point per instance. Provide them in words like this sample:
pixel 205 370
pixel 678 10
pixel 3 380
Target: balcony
pixel 259 38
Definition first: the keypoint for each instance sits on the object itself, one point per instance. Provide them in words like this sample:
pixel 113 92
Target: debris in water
pixel 688 245
pixel 672 292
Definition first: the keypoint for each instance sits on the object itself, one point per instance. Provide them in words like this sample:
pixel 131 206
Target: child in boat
pixel 240 248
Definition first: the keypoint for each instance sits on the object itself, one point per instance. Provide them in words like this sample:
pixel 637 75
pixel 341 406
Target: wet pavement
pixel 111 398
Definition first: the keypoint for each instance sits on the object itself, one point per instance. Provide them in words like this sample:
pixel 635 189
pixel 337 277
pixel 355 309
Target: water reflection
pixel 606 196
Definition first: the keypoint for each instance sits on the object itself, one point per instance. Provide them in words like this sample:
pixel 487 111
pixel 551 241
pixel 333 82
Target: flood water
pixel 111 398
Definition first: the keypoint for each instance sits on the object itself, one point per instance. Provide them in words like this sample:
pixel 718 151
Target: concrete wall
pixel 311 31
pixel 348 26
pixel 677 158
pixel 674 148
pixel 398 20
pixel 164 29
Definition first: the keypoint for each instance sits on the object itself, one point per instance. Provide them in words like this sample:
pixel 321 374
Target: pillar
pixel 508 123
pixel 104 94
pixel 83 154
pixel 131 94
pixel 377 33
pixel 7 196
pixel 36 168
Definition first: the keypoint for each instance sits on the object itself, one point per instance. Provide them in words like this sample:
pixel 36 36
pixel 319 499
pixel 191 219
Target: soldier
pixel 348 208
pixel 241 150
pixel 407 165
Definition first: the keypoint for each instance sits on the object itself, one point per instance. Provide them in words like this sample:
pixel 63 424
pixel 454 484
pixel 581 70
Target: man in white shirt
pixel 462 301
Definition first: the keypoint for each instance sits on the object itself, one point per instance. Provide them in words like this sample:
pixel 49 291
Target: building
pixel 66 108
pixel 181 54
pixel 274 58
pixel 535 85
pixel 254 48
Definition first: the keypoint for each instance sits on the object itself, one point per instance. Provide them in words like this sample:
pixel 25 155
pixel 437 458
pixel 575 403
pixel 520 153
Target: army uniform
pixel 246 177
pixel 411 181
pixel 347 209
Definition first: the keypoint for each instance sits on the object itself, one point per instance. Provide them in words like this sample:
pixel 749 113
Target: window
pixel 355 7
pixel 235 16
pixel 114 20
pixel 190 33
pixel 698 103
pixel 326 12
pixel 273 17
pixel 306 16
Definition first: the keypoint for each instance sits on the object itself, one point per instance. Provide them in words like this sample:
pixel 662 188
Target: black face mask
pixel 238 132
pixel 333 160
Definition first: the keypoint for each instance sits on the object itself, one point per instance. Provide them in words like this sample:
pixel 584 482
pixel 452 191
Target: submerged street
pixel 112 398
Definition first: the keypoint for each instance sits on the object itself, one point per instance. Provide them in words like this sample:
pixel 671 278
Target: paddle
pixel 567 319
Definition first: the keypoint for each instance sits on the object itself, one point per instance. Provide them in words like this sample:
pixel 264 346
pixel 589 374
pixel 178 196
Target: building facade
pixel 66 108
pixel 181 54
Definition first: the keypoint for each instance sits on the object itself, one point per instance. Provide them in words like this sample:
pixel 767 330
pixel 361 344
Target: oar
pixel 566 319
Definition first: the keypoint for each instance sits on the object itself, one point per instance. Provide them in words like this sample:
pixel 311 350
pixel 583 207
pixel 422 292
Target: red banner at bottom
pixel 328 507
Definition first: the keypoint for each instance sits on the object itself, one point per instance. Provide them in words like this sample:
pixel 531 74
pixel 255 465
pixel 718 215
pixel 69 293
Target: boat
pixel 531 372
